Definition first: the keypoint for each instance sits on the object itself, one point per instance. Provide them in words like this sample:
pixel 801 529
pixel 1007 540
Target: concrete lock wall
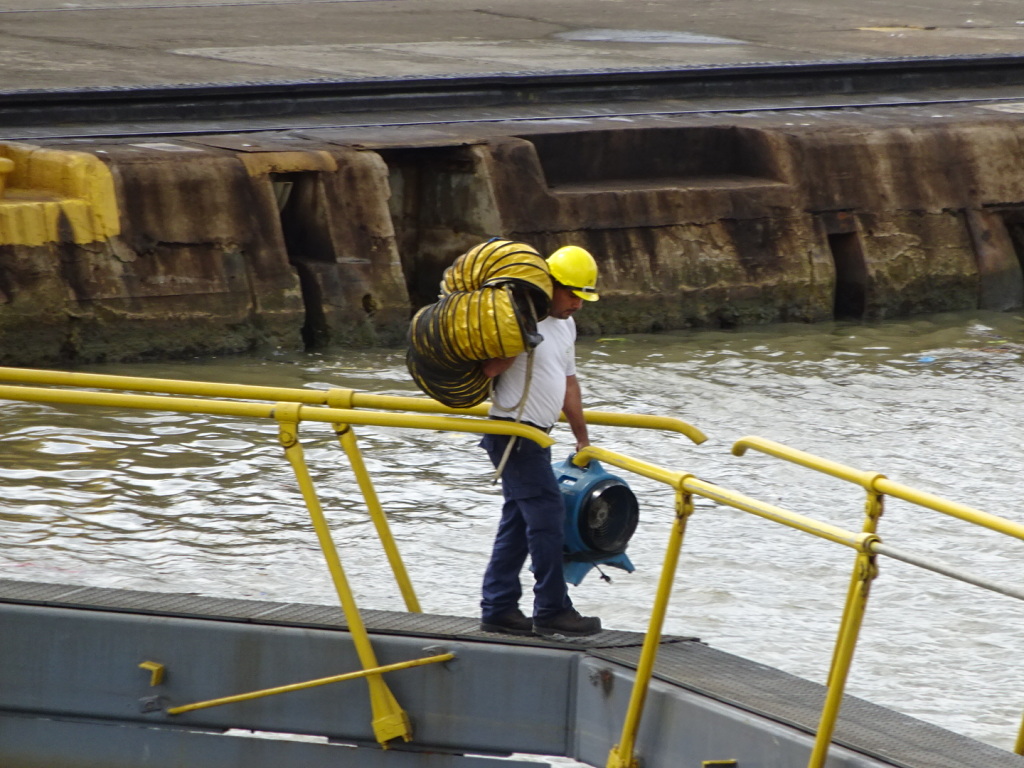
pixel 124 249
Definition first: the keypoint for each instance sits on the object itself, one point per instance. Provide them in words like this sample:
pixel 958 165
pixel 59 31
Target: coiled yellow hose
pixel 491 299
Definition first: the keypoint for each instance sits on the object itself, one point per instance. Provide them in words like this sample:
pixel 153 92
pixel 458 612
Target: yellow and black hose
pixel 491 298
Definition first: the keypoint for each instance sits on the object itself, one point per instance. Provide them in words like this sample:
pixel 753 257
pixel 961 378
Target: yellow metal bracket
pixel 874 506
pixel 338 397
pixel 156 671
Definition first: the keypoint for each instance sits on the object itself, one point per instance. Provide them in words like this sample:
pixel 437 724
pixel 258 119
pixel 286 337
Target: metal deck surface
pixel 684 662
pixel 291 614
pixel 864 727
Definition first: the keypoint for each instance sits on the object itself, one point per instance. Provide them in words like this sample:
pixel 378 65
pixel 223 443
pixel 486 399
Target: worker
pixel 533 515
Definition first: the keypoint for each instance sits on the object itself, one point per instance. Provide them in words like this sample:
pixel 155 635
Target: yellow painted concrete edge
pixel 53 195
pixel 261 163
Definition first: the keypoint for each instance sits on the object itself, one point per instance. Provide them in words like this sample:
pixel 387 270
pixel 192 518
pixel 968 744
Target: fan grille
pixel 608 517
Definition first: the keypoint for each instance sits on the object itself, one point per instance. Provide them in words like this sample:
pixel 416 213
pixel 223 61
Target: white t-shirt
pixel 553 360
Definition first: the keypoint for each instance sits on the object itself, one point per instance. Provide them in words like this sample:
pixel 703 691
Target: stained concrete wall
pixel 226 244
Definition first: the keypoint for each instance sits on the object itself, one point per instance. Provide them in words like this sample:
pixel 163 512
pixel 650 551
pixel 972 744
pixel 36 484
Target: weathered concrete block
pixel 681 240
pixel 918 262
pixel 222 243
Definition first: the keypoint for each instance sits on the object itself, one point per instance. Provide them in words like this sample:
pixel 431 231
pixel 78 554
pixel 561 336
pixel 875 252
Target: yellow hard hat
pixel 576 269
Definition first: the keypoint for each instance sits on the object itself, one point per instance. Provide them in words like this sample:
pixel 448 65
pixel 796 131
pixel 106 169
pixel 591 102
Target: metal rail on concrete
pixel 211 102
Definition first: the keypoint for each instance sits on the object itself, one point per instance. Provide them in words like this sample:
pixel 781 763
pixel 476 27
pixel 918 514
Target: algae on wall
pixel 119 250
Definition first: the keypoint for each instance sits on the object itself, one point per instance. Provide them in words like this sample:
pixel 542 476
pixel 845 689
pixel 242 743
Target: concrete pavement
pixel 49 44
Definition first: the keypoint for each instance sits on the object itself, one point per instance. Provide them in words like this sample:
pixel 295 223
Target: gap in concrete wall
pixel 691 153
pixel 1013 219
pixel 440 207
pixel 998 258
pixel 851 284
pixel 304 224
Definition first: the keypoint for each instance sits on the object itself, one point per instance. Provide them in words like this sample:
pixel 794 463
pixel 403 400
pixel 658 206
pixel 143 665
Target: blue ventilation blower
pixel 601 514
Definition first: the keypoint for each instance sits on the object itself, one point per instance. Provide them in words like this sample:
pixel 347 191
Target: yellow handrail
pixel 317 397
pixel 389 720
pixel 262 411
pixel 686 486
pixel 343 408
pixel 337 398
pixel 877 485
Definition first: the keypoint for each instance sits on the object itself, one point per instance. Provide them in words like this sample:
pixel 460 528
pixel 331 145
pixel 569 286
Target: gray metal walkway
pixel 683 663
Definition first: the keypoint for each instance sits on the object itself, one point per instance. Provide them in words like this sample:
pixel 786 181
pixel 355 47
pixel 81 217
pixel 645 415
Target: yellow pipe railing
pixel 317 397
pixel 292 406
pixel 347 439
pixel 310 683
pixel 686 486
pixel 622 754
pixel 338 398
pixel 263 411
pixel 877 483
pixel 389 720
pixel 877 486
pixel 342 399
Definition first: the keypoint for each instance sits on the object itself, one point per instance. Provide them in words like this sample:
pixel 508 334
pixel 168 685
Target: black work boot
pixel 568 623
pixel 510 622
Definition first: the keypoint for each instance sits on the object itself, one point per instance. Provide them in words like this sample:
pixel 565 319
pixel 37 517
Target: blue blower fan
pixel 601 514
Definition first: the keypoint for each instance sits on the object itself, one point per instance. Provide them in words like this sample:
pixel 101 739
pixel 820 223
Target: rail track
pixel 269 106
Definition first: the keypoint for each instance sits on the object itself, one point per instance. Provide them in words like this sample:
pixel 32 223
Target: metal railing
pixel 877 487
pixel 344 408
pixel 341 408
pixel 866 543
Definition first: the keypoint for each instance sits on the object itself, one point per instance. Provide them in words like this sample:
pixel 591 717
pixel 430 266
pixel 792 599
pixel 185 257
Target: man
pixel 533 515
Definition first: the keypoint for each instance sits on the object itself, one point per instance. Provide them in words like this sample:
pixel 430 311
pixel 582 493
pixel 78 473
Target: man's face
pixel 564 303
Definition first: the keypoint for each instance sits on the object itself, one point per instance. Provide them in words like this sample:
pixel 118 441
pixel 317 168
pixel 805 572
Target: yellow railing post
pixel 347 438
pixel 389 720
pixel 864 572
pixel 621 755
pixel 1019 746
pixel 874 505
pixel 339 398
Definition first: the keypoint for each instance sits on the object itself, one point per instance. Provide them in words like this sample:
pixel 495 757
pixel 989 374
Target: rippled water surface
pixel 180 502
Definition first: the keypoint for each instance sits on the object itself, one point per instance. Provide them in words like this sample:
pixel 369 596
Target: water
pixel 201 504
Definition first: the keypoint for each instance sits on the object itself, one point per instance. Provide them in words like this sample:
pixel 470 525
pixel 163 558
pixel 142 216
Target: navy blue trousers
pixel 532 523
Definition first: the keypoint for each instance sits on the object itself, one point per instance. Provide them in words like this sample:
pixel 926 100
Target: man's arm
pixel 573 410
pixel 496 366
